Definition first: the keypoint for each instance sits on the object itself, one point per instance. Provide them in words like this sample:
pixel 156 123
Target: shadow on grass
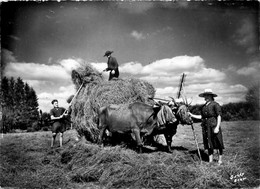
pixel 203 154
pixel 126 141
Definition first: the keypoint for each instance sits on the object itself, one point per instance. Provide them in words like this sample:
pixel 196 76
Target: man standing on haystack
pixel 112 65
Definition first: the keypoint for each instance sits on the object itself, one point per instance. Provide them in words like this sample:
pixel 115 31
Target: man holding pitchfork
pixel 57 116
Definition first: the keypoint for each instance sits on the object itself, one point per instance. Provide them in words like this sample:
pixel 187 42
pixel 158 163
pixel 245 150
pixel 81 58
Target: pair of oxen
pixel 143 120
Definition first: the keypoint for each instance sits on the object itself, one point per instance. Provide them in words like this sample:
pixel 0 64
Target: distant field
pixel 27 161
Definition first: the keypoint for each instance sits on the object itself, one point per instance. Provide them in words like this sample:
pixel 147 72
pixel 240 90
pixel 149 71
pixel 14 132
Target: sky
pixel 214 44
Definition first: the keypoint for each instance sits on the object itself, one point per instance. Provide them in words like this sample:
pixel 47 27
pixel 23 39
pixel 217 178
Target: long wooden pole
pixel 196 141
pixel 76 93
pixel 181 85
pixel 73 98
pixel 178 96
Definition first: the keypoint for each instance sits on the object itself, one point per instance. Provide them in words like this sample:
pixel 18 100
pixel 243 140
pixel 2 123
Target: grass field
pixel 27 161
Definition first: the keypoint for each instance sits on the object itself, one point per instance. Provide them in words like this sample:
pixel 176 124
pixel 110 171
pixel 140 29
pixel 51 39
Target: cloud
pixel 166 92
pixel 165 76
pixel 136 7
pixel 70 64
pixel 66 88
pixel 138 35
pixel 226 93
pixel 45 95
pixel 165 66
pixel 246 36
pixel 132 68
pixel 174 65
pixel 253 69
pixel 7 57
pixel 206 75
pixel 99 66
pixel 247 71
pixel 33 71
pixel 49 81
pixel 221 88
pixel 38 83
pixel 167 72
pixel 250 72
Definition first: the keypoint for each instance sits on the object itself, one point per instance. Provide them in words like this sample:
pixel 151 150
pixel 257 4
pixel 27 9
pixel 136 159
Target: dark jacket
pixel 112 63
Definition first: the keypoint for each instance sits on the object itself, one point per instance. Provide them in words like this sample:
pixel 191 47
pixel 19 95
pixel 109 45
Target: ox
pixel 142 120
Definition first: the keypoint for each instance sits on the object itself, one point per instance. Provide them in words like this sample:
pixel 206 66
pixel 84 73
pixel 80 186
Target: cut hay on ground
pixel 27 161
pixel 117 167
pixel 96 92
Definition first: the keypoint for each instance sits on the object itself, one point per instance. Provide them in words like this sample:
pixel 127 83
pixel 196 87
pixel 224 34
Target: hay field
pixel 27 161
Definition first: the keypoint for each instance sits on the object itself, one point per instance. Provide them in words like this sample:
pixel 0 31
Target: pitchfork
pixel 181 88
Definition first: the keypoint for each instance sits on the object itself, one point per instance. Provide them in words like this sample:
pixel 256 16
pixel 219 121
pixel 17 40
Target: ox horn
pixel 173 100
pixel 190 103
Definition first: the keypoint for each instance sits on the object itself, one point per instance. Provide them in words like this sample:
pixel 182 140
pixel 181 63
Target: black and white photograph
pixel 129 94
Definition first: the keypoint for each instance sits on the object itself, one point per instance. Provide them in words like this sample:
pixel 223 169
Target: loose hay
pixel 97 92
pixel 117 167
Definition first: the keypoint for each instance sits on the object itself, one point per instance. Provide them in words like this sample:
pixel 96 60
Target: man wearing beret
pixel 112 65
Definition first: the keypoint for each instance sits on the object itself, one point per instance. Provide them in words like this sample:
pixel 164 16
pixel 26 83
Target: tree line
pixel 19 105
